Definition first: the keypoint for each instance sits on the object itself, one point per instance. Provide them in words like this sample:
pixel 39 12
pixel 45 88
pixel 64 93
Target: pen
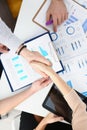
pixel 49 22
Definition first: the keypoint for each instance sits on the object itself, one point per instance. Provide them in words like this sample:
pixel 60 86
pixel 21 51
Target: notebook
pixel 18 71
pixel 55 103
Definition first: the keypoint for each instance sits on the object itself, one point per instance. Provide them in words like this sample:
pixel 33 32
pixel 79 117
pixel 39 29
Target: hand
pixel 57 12
pixel 45 69
pixel 32 56
pixel 3 49
pixel 39 84
pixel 51 118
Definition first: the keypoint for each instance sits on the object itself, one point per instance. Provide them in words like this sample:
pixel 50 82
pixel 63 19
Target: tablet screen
pixel 56 103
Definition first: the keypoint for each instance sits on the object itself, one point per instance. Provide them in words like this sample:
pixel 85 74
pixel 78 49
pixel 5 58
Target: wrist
pixel 20 49
pixel 42 125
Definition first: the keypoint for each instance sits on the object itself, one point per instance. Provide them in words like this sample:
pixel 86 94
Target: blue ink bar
pixel 17 65
pixel 62 50
pixel 65 70
pixel 20 71
pixel 86 61
pixel 59 51
pixel 76 45
pixel 79 43
pixel 43 52
pixel 85 26
pixel 15 58
pixel 79 65
pixel 23 77
pixel 71 19
pixel 82 63
pixel 70 83
pixel 85 94
pixel 68 67
pixel 72 46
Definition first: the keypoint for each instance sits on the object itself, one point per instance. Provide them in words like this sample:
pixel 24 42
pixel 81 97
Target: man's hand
pixel 57 12
pixel 33 56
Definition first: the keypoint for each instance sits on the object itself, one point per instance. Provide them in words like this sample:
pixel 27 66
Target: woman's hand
pixel 39 84
pixel 51 118
pixel 57 12
pixel 43 68
pixel 34 56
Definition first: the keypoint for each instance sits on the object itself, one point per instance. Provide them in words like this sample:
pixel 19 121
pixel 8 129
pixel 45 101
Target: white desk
pixel 26 29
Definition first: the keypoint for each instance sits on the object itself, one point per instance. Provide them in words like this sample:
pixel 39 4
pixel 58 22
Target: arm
pixel 60 83
pixel 50 118
pixel 57 12
pixel 9 103
pixel 9 40
pixel 79 116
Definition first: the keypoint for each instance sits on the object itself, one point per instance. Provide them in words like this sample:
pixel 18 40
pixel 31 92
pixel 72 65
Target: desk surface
pixel 26 29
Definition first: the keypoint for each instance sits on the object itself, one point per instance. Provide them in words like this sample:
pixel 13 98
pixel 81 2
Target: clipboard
pixel 18 71
pixel 83 3
pixel 36 15
pixel 40 16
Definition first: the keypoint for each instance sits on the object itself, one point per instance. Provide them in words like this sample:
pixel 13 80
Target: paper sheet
pixel 18 70
pixel 71 43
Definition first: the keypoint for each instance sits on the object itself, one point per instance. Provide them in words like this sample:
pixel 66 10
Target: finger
pixel 42 68
pixel 43 79
pixel 44 60
pixel 39 66
pixel 66 16
pixel 58 119
pixel 59 20
pixel 63 18
pixel 42 73
pixel 55 24
pixel 47 82
pixel 38 57
pixel 48 16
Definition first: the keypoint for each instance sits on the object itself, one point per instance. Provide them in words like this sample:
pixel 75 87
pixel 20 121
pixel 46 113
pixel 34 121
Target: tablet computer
pixel 55 103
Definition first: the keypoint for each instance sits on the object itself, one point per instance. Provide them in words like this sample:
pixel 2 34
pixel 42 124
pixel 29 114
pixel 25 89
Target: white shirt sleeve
pixel 8 38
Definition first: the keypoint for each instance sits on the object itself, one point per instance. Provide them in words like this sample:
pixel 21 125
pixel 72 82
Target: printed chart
pixel 70 42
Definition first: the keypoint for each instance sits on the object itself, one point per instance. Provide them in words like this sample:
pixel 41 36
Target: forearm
pixel 11 102
pixel 60 83
pixel 42 125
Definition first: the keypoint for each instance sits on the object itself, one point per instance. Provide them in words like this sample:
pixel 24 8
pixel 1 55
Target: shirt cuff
pixel 8 38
